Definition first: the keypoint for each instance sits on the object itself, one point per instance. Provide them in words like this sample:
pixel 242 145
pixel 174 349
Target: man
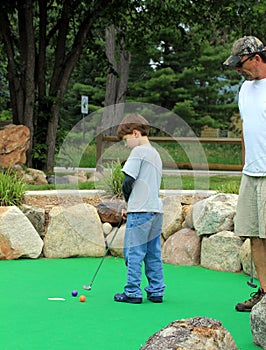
pixel 249 59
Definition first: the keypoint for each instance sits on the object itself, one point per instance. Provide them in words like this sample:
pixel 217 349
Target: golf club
pixel 250 282
pixel 88 287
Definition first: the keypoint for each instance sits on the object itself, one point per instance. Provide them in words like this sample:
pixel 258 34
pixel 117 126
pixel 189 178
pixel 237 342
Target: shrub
pixel 12 188
pixel 113 179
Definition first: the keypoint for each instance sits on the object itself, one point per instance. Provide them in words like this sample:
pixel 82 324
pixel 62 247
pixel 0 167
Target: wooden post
pixel 99 149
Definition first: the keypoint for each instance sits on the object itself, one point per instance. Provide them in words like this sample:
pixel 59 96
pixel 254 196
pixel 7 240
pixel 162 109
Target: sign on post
pixel 84 104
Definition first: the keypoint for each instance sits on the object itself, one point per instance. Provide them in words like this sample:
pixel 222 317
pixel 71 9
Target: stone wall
pixel 197 230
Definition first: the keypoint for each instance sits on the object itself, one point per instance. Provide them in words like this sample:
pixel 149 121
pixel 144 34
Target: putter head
pixel 87 287
pixel 251 284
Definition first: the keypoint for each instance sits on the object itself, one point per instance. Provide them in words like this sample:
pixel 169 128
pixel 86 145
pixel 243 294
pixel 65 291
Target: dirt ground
pixel 48 202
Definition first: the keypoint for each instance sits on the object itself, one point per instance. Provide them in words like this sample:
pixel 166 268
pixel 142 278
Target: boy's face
pixel 131 140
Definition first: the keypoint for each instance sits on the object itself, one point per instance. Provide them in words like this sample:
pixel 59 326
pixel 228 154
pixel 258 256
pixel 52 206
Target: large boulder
pixel 215 214
pixel 198 333
pixel 18 237
pixel 74 231
pixel 221 252
pixel 245 258
pixel 34 176
pixel 36 216
pixel 111 211
pixel 14 142
pixel 182 248
pixel 258 323
pixel 31 176
pixel 173 216
pixel 117 246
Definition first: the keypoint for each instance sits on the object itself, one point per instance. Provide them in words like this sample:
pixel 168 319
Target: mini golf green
pixel 29 321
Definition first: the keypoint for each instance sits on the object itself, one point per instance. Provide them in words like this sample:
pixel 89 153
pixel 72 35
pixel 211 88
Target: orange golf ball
pixel 82 298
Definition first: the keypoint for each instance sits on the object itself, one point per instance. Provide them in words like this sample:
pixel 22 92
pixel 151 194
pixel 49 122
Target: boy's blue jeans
pixel 142 244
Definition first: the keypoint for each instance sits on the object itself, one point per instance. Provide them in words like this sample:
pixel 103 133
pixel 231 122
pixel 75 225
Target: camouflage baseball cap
pixel 247 45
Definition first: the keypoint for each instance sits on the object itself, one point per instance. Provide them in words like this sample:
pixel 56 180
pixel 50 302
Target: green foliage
pixel 88 157
pixel 113 179
pixel 39 153
pixel 229 187
pixel 12 188
pixel 6 115
pixel 44 187
pixel 176 52
pixel 215 154
pixel 223 184
pixel 196 88
pixel 226 184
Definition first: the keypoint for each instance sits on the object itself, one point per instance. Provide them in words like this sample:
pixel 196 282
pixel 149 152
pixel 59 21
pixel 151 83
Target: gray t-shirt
pixel 145 166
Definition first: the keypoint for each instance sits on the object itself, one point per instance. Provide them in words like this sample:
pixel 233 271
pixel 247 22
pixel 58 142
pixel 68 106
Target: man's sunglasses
pixel 240 63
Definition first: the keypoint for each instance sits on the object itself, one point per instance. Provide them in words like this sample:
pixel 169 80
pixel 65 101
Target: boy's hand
pixel 124 214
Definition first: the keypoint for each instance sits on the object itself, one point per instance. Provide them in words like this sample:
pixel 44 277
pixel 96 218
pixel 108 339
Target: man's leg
pixel 258 251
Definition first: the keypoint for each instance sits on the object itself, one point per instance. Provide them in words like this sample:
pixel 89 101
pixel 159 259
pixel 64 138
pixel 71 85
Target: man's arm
pixel 243 151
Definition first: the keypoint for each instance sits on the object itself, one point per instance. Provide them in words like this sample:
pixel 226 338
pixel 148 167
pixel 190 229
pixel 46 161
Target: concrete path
pixel 165 171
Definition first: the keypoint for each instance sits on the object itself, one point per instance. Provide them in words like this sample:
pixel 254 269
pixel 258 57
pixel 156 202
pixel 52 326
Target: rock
pixel 173 216
pixel 221 252
pixel 117 246
pixel 215 214
pixel 245 258
pixel 110 211
pixel 14 142
pixel 55 179
pixel 34 177
pixel 182 248
pixel 95 177
pixel 67 179
pixel 36 216
pixel 74 231
pixel 30 176
pixel 187 214
pixel 107 228
pixel 258 323
pixel 76 178
pixel 198 333
pixel 18 237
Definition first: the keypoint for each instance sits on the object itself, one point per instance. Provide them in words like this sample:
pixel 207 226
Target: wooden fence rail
pixel 181 165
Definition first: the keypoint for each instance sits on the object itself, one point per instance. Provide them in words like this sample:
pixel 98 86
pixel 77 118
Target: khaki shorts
pixel 250 219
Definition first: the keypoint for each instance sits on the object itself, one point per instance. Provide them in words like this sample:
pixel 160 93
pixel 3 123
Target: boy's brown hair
pixel 133 121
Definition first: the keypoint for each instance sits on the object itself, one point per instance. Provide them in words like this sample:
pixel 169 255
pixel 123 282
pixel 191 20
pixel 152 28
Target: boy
pixel 141 185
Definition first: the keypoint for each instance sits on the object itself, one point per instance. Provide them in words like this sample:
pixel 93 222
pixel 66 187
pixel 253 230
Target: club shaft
pixel 106 252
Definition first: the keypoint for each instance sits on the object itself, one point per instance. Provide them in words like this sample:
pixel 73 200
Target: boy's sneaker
pixel 123 298
pixel 155 298
pixel 247 305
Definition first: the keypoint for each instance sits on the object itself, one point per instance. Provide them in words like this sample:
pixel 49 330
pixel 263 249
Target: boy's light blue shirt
pixel 145 166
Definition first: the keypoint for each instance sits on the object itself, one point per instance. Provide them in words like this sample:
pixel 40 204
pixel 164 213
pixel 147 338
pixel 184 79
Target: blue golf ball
pixel 74 293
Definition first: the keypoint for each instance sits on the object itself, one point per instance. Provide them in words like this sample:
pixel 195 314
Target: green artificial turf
pixel 29 321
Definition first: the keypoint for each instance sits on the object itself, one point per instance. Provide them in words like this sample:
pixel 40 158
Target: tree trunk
pixel 63 67
pixel 21 88
pixel 116 88
pixel 25 15
pixel 117 80
pixel 36 94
